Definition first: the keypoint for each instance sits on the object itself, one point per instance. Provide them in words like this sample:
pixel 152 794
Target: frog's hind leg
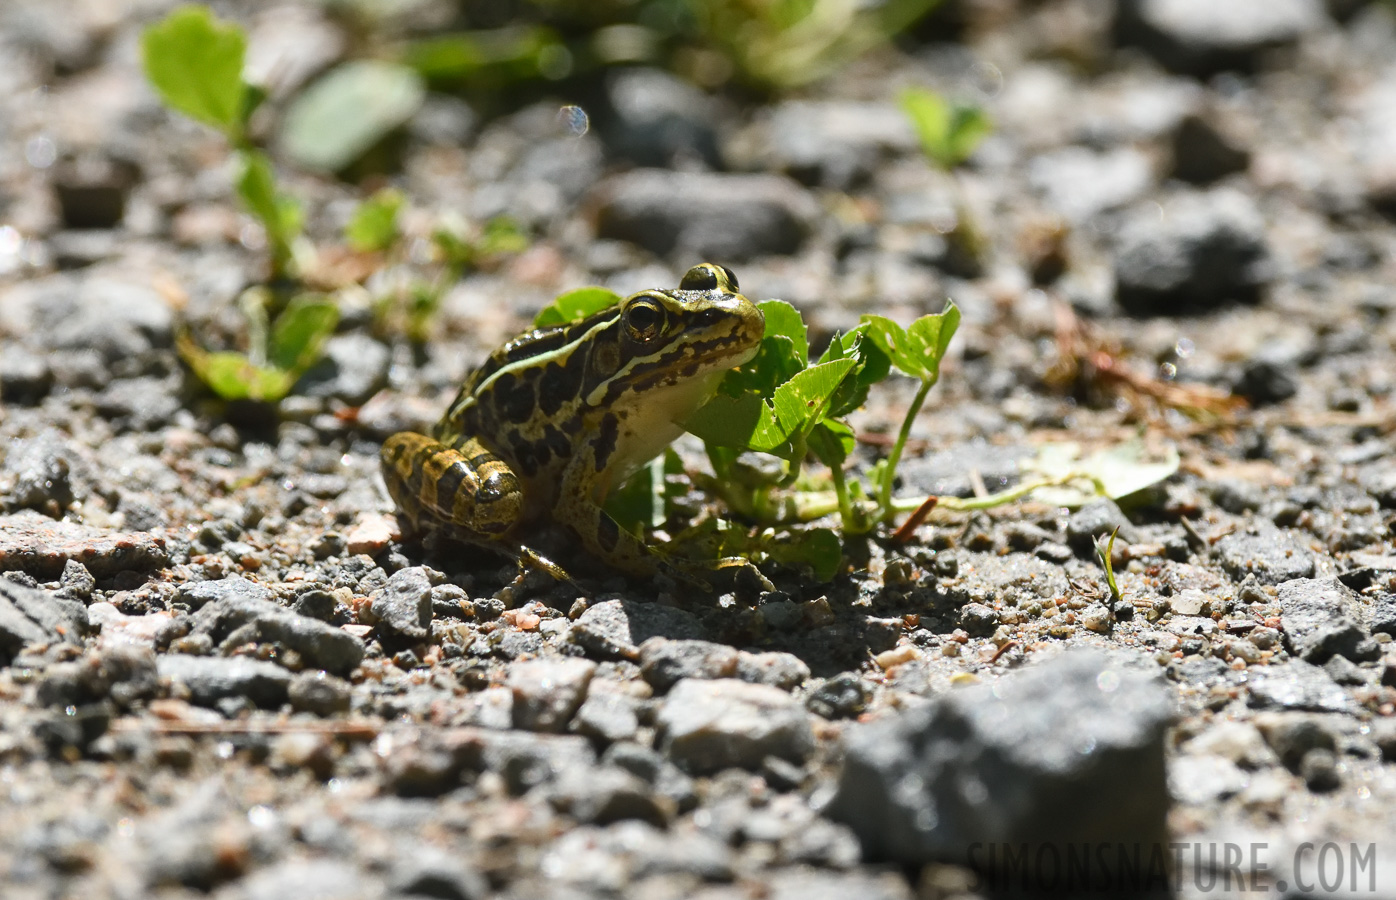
pixel 466 488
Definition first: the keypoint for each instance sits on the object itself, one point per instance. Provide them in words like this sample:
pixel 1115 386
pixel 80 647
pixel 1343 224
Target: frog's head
pixel 703 327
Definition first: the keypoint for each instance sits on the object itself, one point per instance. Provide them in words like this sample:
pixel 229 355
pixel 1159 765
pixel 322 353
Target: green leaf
pixel 873 366
pixel 803 400
pixel 574 306
pixel 832 441
pixel 784 321
pixel 818 548
pixel 777 426
pixel 300 332
pixel 918 349
pixel 338 118
pixel 747 422
pixel 233 376
pixel 949 132
pixel 194 62
pixel 784 351
pixel 374 226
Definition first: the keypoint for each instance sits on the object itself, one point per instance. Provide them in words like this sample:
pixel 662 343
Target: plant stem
pixel 845 504
pixel 884 499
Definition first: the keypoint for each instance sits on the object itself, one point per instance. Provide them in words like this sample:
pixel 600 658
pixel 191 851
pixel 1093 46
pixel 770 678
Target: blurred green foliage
pixel 766 45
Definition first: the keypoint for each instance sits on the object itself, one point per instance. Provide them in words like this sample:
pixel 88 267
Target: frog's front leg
pixel 465 488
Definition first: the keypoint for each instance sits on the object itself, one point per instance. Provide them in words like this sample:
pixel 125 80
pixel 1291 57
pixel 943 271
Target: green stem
pixel 884 499
pixel 846 512
pixel 1017 492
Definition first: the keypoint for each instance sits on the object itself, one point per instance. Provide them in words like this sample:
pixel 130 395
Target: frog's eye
pixel 731 278
pixel 699 278
pixel 644 320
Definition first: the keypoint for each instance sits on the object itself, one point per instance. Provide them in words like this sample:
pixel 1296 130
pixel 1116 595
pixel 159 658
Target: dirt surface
pixel 224 671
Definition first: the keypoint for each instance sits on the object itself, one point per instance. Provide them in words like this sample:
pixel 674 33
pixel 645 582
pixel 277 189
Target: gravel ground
pixel 223 672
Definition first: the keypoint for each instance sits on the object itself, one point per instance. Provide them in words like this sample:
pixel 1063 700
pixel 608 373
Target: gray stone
pixel 1203 152
pixel 1208 249
pixel 319 692
pixel 705 726
pixel 240 615
pixel 1080 183
pixel 139 404
pixel 1198 37
pixel 844 696
pixel 1068 751
pixel 353 369
pixel 123 673
pixel 1382 615
pixel 659 119
pixel 210 679
pixel 548 692
pixel 607 717
pixel 309 879
pixel 706 215
pixel 606 794
pixel 42 474
pixel 1296 685
pixel 1271 555
pixel 1270 375
pixel 234 588
pixel 614 629
pixel 835 144
pixel 403 606
pixel 420 869
pixel 1096 519
pixel 783 670
pixel 1320 620
pixel 1291 735
pixel 121 320
pixel 664 662
pixel 31 615
pixel 25 376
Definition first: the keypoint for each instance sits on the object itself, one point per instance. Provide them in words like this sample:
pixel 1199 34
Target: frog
pixel 550 423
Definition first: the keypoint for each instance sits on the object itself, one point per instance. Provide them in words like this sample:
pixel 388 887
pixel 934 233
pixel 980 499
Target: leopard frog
pixel 557 417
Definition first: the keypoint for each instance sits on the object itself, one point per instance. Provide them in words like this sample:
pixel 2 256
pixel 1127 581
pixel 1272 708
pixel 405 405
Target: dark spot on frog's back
pixel 515 401
pixel 557 442
pixel 604 444
pixel 561 382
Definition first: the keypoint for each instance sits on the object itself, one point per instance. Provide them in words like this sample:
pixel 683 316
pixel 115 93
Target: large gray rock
pixel 34 616
pixel 1200 37
pixel 658 119
pixel 615 629
pixel 705 726
pixel 403 606
pixel 1271 555
pixel 239 614
pixel 1320 618
pixel 1068 752
pixel 1209 248
pixel 210 679
pixel 663 663
pixel 548 692
pixel 705 215
pixel 1296 685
